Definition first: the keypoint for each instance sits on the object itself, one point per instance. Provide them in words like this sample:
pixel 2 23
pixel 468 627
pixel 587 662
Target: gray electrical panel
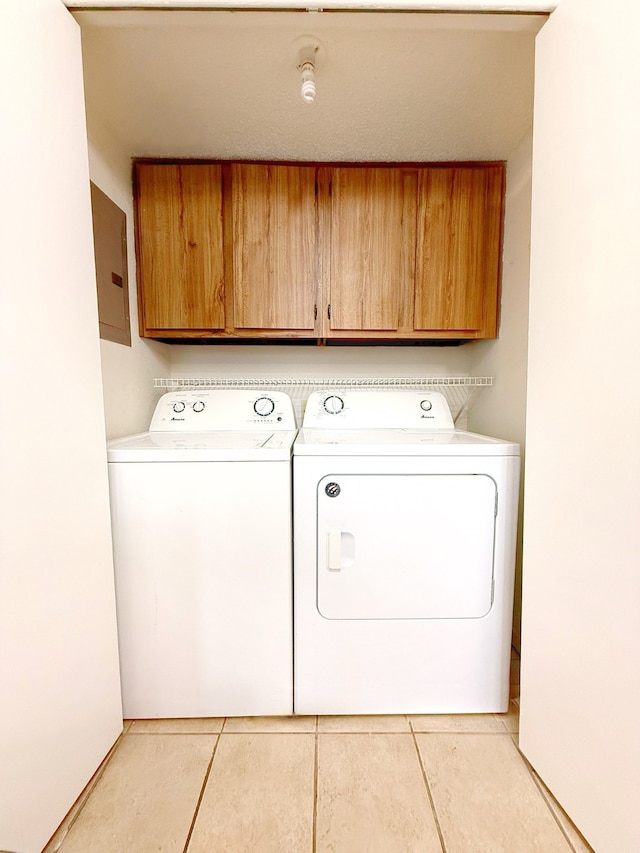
pixel 110 247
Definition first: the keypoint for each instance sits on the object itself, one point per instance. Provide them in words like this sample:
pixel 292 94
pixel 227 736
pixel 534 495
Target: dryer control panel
pixel 202 410
pixel 375 409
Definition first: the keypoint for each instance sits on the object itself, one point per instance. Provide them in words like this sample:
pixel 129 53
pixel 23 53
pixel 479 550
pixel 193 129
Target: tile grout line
pixel 314 824
pixel 142 733
pixel 88 790
pixel 202 790
pixel 210 734
pixel 502 722
pixel 428 790
pixel 537 782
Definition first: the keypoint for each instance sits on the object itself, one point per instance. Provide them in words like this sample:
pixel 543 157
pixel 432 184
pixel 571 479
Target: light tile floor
pixel 399 784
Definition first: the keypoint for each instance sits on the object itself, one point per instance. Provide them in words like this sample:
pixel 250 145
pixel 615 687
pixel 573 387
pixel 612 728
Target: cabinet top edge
pixel 331 164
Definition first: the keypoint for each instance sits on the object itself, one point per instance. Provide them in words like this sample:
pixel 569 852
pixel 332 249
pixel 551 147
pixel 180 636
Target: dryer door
pixel 410 546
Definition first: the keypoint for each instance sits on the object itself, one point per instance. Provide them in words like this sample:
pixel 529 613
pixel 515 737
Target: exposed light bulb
pixel 308 88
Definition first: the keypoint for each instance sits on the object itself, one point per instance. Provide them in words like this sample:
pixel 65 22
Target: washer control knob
pixel 426 405
pixel 198 406
pixel 264 406
pixel 333 404
pixel 179 407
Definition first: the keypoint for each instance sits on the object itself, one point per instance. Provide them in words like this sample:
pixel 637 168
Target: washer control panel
pixel 376 409
pixel 204 410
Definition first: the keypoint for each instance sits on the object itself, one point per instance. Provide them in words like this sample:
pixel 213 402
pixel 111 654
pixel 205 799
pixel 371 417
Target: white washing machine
pixel 404 548
pixel 201 516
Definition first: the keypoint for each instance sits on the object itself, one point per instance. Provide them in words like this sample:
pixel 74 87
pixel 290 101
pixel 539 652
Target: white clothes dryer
pixel 201 518
pixel 404 550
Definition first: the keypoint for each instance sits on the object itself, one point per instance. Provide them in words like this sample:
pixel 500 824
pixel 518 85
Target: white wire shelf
pixel 459 391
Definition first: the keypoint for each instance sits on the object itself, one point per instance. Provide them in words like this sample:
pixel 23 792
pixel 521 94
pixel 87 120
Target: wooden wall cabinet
pixel 458 251
pixel 414 252
pixel 274 249
pixel 180 249
pixel 370 260
pixel 319 252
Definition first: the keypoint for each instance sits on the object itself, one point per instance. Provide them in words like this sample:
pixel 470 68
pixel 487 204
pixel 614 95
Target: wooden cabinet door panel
pixel 372 248
pixel 180 246
pixel 458 248
pixel 274 246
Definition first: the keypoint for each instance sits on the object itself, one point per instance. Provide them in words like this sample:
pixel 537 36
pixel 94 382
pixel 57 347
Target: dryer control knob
pixel 333 404
pixel 179 407
pixel 426 405
pixel 198 406
pixel 264 406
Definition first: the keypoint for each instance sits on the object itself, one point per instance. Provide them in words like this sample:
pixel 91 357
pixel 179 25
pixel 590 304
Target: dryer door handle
pixel 341 549
pixel 334 550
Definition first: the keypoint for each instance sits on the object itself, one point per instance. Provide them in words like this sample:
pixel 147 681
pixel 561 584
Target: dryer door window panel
pixel 405 546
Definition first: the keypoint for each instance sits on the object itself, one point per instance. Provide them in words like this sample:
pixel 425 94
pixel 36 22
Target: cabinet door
pixel 372 249
pixel 180 247
pixel 274 215
pixel 458 249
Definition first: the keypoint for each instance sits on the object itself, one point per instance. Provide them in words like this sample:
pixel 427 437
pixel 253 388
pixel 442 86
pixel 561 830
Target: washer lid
pixel 218 446
pixel 400 442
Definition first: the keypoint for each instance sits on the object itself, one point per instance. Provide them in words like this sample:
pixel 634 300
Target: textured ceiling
pixel 396 87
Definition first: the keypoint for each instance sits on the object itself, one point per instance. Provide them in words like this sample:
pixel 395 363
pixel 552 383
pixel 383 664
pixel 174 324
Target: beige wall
pixel 60 706
pixel 581 586
pixel 313 361
pixel 500 410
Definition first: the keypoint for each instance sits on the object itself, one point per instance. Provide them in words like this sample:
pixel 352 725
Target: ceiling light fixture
pixel 307 52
